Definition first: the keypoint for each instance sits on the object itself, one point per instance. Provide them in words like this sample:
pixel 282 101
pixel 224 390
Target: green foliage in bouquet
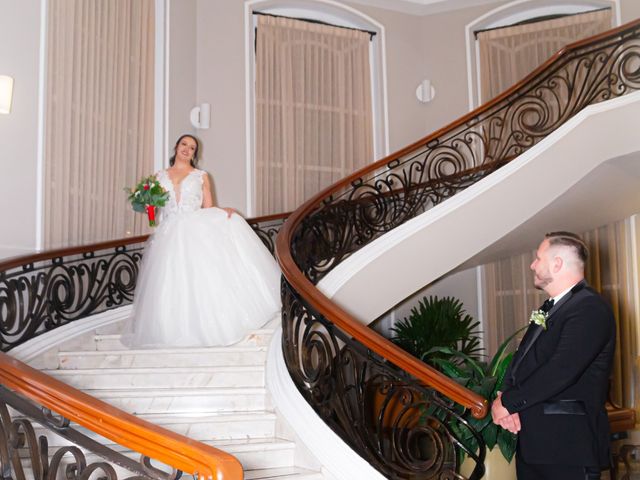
pixel 147 196
pixel 148 192
pixel 486 379
pixel 438 322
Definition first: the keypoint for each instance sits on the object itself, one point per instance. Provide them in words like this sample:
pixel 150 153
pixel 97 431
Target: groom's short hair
pixel 569 239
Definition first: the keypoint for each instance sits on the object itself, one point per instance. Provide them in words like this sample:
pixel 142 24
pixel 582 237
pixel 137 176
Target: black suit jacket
pixel 558 383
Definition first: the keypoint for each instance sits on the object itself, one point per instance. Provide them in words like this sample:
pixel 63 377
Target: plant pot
pixel 496 466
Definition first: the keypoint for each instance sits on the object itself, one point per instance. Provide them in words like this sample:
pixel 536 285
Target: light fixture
pixel 200 116
pixel 6 93
pixel 425 91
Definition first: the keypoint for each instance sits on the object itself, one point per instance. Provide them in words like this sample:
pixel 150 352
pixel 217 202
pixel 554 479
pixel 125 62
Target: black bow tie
pixel 547 305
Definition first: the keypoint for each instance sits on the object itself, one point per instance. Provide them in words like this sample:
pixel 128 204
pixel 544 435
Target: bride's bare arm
pixel 207 199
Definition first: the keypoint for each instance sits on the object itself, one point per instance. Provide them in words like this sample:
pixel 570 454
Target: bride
pixel 206 278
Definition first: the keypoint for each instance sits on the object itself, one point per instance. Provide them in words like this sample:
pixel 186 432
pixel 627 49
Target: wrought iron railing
pixel 335 361
pixel 41 292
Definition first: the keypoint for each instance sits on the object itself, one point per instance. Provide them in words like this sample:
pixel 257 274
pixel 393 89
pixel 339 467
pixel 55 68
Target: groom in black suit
pixel 555 389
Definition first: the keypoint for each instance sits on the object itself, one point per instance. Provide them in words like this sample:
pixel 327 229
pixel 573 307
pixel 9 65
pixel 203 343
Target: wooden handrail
pixel 17 261
pixel 365 335
pixel 157 443
pixel 347 322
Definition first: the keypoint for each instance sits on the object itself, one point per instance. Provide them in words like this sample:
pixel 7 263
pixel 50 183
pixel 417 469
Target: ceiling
pixel 609 193
pixel 425 7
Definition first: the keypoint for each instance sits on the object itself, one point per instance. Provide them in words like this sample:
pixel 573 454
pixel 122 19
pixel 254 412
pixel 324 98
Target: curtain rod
pixel 319 22
pixel 539 19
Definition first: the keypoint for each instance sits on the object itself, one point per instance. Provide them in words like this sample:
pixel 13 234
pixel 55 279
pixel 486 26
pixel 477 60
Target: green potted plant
pixel 440 333
pixel 486 379
pixel 437 322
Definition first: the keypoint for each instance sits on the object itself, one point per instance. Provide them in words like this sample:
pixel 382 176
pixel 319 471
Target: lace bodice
pixel 189 195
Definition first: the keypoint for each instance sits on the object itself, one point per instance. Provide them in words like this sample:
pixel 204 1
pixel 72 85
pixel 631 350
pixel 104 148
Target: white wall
pixel 430 47
pixel 630 10
pixel 19 58
pixel 182 68
pixel 221 82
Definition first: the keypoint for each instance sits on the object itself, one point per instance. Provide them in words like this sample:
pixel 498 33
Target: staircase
pixel 216 395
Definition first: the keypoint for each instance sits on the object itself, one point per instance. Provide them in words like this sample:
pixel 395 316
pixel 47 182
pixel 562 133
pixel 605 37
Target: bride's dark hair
pixel 194 160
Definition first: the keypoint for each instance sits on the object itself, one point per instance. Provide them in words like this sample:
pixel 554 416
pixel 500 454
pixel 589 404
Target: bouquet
pixel 147 196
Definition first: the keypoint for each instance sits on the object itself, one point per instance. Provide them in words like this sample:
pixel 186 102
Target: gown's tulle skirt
pixel 205 279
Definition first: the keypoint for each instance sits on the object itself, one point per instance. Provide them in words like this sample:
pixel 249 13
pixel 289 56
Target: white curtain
pixel 99 117
pixel 609 271
pixel 510 297
pixel 313 109
pixel 509 54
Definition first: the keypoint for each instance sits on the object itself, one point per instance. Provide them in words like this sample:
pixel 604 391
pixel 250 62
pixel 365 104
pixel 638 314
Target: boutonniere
pixel 539 317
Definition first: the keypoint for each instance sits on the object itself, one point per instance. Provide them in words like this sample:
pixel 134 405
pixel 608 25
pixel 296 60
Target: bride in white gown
pixel 206 278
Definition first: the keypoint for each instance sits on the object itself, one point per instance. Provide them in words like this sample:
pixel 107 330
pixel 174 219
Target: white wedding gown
pixel 205 279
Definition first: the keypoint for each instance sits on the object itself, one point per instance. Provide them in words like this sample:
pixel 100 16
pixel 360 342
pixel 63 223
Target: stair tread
pixel 206 416
pixel 275 473
pixel 229 445
pixel 158 351
pixel 245 444
pixel 171 392
pixel 202 417
pixel 259 331
pixel 218 426
pixel 282 473
pixel 165 370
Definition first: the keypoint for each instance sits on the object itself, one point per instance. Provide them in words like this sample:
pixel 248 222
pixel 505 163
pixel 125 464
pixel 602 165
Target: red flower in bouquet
pixel 147 196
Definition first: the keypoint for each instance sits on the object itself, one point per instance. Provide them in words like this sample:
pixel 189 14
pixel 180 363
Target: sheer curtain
pixel 99 117
pixel 508 54
pixel 510 297
pixel 313 109
pixel 609 271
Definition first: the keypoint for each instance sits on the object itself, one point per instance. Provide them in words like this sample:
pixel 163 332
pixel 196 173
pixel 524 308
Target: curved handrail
pixel 356 210
pixel 21 260
pixel 376 342
pixel 155 442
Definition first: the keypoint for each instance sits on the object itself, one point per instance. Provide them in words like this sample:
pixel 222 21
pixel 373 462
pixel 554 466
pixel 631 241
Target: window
pixel 99 117
pixel 313 109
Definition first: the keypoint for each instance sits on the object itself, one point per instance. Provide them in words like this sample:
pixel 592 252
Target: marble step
pixel 200 357
pixel 192 400
pixel 279 473
pixel 206 426
pixel 286 473
pixel 108 338
pixel 258 455
pixel 176 377
pixel 260 337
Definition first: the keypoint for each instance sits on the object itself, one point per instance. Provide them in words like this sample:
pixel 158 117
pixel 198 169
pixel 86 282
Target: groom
pixel 556 386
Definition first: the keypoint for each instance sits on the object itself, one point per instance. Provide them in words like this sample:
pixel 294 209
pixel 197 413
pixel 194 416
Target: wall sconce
pixel 6 93
pixel 425 91
pixel 200 116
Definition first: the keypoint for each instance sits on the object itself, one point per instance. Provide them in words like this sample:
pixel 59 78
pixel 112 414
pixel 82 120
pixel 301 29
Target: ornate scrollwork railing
pixel 406 429
pixel 44 291
pixel 18 436
pixel 321 341
pixel 41 292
